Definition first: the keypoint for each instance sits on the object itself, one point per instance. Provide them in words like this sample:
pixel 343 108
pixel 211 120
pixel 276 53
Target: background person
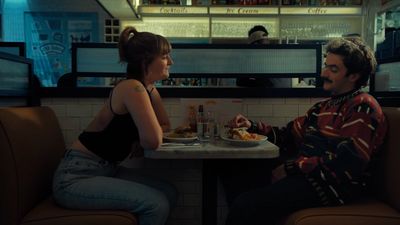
pixel 258 35
pixel 333 143
pixel 89 176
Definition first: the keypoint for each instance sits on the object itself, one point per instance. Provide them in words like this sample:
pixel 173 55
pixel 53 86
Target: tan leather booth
pixel 380 209
pixel 31 145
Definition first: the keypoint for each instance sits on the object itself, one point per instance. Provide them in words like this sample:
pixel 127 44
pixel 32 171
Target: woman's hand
pixel 239 121
pixel 278 173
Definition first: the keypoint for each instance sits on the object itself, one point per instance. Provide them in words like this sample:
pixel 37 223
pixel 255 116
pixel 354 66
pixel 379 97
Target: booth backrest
pixel 31 145
pixel 390 166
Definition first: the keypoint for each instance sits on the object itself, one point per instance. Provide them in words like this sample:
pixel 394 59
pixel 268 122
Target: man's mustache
pixel 324 79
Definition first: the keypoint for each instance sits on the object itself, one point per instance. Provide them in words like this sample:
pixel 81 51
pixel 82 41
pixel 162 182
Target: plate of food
pixel 181 134
pixel 241 137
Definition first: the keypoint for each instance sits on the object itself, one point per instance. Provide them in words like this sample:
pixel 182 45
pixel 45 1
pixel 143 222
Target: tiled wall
pixel 75 114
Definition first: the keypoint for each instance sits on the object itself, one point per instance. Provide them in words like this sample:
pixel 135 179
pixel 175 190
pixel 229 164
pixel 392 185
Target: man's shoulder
pixel 321 102
pixel 366 103
pixel 365 99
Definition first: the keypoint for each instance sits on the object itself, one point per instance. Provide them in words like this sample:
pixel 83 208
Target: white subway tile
pixel 175 110
pixel 91 101
pixel 84 122
pixel 259 110
pixel 285 110
pixel 315 100
pixel 252 101
pixel 69 123
pixel 272 101
pixel 95 109
pixel 176 121
pixel 70 136
pixel 303 109
pixel 46 101
pixel 59 110
pixel 275 121
pixel 76 110
pixel 174 101
pixel 297 101
pixel 65 101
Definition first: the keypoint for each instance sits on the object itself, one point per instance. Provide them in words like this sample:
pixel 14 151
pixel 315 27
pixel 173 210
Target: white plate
pixel 244 143
pixel 179 140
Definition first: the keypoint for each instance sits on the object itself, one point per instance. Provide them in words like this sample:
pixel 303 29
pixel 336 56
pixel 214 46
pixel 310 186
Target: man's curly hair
pixel 357 57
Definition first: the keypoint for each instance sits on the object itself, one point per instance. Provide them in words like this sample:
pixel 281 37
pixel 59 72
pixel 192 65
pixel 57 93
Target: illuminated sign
pixel 174 10
pixel 321 10
pixel 243 10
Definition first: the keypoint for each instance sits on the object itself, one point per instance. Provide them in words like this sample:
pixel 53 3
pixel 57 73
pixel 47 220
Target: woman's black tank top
pixel 114 143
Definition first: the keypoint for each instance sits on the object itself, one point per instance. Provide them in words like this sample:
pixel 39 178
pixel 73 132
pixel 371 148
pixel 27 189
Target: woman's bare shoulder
pixel 129 85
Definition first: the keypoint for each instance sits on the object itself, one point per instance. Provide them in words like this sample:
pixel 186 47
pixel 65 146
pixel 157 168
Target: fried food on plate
pixel 241 133
pixel 182 132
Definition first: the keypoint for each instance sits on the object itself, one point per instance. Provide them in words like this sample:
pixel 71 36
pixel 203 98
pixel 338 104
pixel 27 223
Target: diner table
pixel 212 153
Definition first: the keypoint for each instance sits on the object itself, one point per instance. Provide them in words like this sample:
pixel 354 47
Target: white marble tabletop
pixel 215 149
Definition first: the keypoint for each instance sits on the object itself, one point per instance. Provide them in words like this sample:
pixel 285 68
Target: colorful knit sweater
pixel 334 142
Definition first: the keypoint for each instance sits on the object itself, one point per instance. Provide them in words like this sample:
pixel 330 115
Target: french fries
pixel 242 134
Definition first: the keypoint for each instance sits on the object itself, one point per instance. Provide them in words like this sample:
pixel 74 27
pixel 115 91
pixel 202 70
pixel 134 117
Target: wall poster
pixel 48 37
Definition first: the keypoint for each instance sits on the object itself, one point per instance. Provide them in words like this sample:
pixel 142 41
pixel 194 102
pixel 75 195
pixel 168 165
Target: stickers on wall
pixel 48 37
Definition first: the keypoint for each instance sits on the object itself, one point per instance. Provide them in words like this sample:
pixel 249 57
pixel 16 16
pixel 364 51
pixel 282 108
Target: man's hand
pixel 278 173
pixel 239 121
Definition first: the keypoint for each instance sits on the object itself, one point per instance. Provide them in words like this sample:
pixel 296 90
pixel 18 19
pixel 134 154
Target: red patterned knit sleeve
pixel 343 153
pixel 365 124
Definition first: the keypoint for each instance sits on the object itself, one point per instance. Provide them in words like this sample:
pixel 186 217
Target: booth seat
pixel 383 207
pixel 31 146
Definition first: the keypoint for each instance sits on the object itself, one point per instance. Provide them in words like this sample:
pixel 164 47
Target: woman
pixel 89 176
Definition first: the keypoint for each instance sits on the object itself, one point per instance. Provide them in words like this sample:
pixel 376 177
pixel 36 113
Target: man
pixel 334 142
pixel 256 35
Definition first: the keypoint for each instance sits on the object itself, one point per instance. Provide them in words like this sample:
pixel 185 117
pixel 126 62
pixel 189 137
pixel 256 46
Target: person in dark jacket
pixel 257 35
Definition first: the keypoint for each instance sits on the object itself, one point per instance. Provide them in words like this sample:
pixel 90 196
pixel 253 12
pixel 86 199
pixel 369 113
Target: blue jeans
pixel 83 181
